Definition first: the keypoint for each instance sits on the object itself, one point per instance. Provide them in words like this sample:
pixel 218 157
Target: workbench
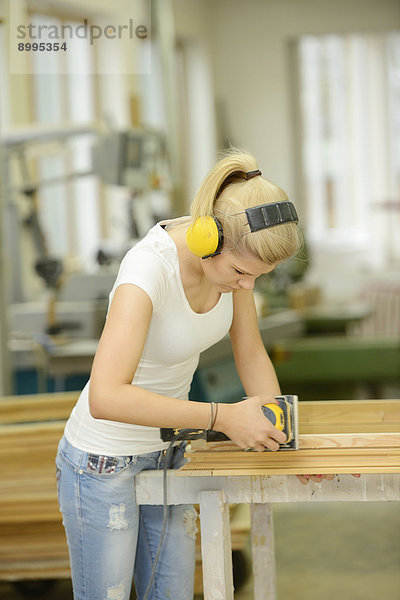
pixel 343 437
pixel 215 494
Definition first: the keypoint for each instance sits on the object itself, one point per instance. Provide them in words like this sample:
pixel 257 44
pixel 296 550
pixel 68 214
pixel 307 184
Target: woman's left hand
pixel 318 478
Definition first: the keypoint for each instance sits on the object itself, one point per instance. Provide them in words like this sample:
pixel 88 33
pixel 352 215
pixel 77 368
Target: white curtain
pixel 349 96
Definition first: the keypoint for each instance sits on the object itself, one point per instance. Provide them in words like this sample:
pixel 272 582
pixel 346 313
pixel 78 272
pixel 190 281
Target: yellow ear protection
pixel 205 237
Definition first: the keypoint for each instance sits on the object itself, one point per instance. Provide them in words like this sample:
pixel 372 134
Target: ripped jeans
pixel 111 539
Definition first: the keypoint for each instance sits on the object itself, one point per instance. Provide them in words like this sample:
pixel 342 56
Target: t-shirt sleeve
pixel 147 270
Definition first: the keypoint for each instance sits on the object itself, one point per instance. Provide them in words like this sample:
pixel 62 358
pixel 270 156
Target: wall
pixel 195 72
pixel 114 90
pixel 251 65
pixel 253 79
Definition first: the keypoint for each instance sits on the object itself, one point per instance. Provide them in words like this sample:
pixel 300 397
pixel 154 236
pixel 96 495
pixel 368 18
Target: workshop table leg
pixel 263 550
pixel 216 546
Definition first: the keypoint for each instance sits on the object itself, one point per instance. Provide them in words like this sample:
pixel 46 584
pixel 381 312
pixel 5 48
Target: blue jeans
pixel 111 539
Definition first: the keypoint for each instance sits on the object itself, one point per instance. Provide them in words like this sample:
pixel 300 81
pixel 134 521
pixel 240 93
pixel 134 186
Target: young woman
pixel 178 291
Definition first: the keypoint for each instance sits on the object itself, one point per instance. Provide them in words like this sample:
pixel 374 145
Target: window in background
pixel 349 95
pixel 69 208
pixel 4 105
pixel 393 204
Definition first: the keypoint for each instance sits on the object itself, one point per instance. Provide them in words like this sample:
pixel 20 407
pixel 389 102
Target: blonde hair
pixel 225 192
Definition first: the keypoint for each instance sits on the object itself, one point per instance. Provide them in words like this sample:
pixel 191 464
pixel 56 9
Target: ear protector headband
pixel 205 237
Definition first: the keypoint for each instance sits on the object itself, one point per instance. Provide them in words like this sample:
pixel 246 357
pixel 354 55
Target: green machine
pixel 336 367
pixel 316 367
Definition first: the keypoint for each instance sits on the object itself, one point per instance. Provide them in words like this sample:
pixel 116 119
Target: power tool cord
pixel 182 433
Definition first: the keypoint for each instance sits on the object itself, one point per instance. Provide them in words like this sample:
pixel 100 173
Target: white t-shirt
pixel 174 341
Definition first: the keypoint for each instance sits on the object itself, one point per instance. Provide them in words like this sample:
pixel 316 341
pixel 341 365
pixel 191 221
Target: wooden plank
pixel 32 569
pixel 38 407
pixel 37 479
pixel 216 546
pixel 24 511
pixel 309 441
pixel 263 552
pixel 33 551
pixel 369 449
pixel 28 447
pixel 31 431
pixel 349 440
pixel 329 460
pixel 309 469
pixel 288 457
pixel 349 416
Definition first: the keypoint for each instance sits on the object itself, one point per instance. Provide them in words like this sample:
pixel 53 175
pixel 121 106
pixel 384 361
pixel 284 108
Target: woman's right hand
pixel 246 425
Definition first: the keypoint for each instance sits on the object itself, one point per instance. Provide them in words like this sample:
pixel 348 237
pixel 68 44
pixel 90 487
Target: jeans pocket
pixel 100 465
pixel 97 463
pixel 89 463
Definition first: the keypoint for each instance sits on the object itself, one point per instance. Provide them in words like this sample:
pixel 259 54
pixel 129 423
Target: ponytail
pixel 230 169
